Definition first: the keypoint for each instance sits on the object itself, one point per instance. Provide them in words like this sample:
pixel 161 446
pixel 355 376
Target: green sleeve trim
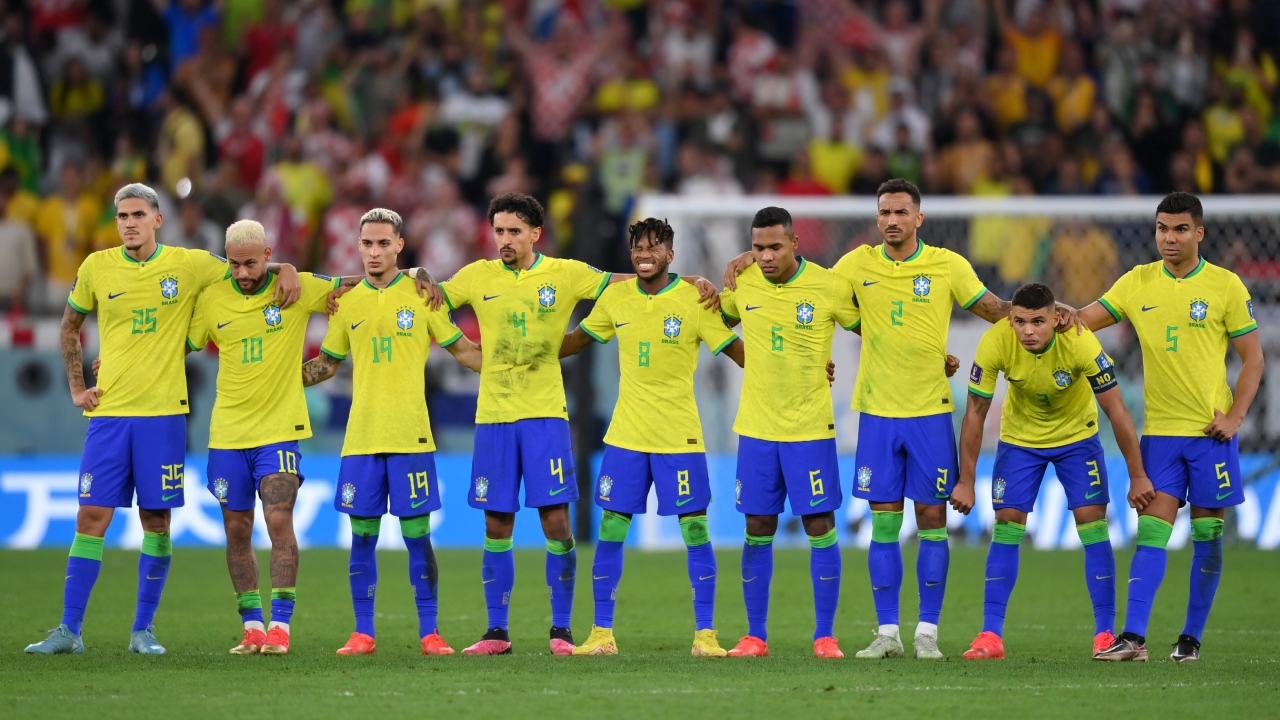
pixel 594 336
pixel 332 354
pixel 728 341
pixel 1244 330
pixel 76 307
pixel 446 343
pixel 1114 313
pixel 192 346
pixel 855 326
pixel 988 395
pixel 975 298
pixel 447 301
pixel 156 544
pixel 498 545
pixel 604 283
pixel 87 547
pixel 730 315
pixel 337 283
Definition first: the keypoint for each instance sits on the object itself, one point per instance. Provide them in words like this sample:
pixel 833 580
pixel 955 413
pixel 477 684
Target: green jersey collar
pixel 271 279
pixel 914 255
pixel 1047 348
pixel 674 280
pixel 803 264
pixel 399 276
pixel 1199 266
pixel 154 255
pixel 537 260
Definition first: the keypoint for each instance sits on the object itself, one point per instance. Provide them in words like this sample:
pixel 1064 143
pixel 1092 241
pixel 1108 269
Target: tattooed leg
pixel 240 560
pixel 279 492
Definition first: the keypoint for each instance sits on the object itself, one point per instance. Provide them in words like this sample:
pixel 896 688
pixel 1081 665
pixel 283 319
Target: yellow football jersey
pixel 260 399
pixel 1048 404
pixel 144 310
pixel 787 330
pixel 906 312
pixel 523 315
pixel 658 338
pixel 1183 326
pixel 388 335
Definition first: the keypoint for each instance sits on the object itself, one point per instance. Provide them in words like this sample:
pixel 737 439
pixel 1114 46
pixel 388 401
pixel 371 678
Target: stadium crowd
pixel 304 114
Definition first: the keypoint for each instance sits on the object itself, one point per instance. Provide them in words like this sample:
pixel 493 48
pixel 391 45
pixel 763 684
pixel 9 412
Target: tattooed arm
pixel 73 359
pixel 990 308
pixel 319 368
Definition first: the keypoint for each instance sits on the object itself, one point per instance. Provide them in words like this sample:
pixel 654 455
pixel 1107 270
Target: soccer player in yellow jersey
pixel 1049 416
pixel 143 293
pixel 789 309
pixel 523 302
pixel 258 419
pixel 1185 312
pixel 388 453
pixel 659 323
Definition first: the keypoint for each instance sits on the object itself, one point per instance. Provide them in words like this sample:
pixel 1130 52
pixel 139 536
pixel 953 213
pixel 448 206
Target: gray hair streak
pixel 140 191
pixel 383 215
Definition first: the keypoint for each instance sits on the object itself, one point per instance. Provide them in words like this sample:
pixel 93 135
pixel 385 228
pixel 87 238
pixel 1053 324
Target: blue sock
pixel 498 573
pixel 606 571
pixel 1206 571
pixel 757 575
pixel 153 570
pixel 884 564
pixel 1099 574
pixel 282 600
pixel 702 576
pixel 824 572
pixel 363 575
pixel 83 564
pixel 1146 572
pixel 1001 574
pixel 424 577
pixel 561 573
pixel 931 572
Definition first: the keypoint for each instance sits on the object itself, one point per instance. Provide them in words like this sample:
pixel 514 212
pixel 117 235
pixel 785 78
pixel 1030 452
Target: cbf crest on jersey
pixel 86 484
pixel 1062 377
pixel 804 313
pixel 921 285
pixel 220 487
pixel 606 485
pixel 546 297
pixel 671 328
pixel 169 288
pixel 482 488
pixel 1199 310
pixel 272 315
pixel 404 319
pixel 864 479
pixel 997 490
pixel 348 494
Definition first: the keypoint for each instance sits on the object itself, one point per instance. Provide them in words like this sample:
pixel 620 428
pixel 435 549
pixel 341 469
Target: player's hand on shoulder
pixel 831 372
pixel 87 399
pixel 289 286
pixel 331 306
pixel 428 288
pixel 951 365
pixel 963 496
pixel 1141 492
pixel 735 268
pixel 1069 317
pixel 97 363
pixel 708 293
pixel 1223 427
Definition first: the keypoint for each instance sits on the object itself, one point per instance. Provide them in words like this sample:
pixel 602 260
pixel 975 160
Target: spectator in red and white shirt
pixel 750 53
pixel 340 228
pixel 560 72
pixel 443 232
pixel 241 142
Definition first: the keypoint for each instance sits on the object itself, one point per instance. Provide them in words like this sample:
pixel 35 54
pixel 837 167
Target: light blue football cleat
pixel 61 641
pixel 144 643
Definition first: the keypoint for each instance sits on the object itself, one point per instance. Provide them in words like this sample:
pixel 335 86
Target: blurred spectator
pixel 835 160
pixel 903 160
pixel 185 19
pixel 968 155
pixel 1078 284
pixel 207 75
pixel 340 231
pixel 687 50
pixel 18 247
pixel 1072 91
pixel 264 38
pixel 779 98
pixel 1122 176
pixel 192 230
pixel 281 224
pixel 20 205
pixel 801 179
pixel 21 92
pixel 65 224
pixel 443 232
pixel 1223 125
pixel 240 143
pixel 1005 91
pixel 77 95
pixel 902 111
pixel 180 148
pixel 305 185
pixel 1036 42
pixel 873 171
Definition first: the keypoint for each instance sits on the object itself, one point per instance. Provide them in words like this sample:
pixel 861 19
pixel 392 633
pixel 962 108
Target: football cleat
pixel 489 647
pixel 277 641
pixel 1126 647
pixel 251 644
pixel 827 648
pixel 143 642
pixel 561 641
pixel 433 644
pixel 750 646
pixel 884 646
pixel 987 646
pixel 359 644
pixel 926 647
pixel 61 641
pixel 705 644
pixel 599 642
pixel 1102 641
pixel 1187 649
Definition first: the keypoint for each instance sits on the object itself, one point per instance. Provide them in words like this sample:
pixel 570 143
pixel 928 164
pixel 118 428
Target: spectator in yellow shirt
pixel 1006 91
pixel 1073 91
pixel 65 223
pixel 181 144
pixel 1037 45
pixel 1079 281
pixel 23 206
pixel 834 161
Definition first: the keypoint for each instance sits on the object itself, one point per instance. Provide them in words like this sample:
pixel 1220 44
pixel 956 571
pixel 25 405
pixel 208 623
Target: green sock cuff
pixel 886 525
pixel 366 527
pixel 560 547
pixel 1206 529
pixel 935 535
pixel 1008 533
pixel 826 539
pixel 614 527
pixel 416 527
pixel 289 594
pixel 1092 533
pixel 1153 532
pixel 502 545
pixel 87 547
pixel 758 540
pixel 695 531
pixel 156 544
pixel 249 600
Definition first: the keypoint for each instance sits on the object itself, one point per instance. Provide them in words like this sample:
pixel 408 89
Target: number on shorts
pixel 1223 475
pixel 557 469
pixel 172 477
pixel 288 461
pixel 942 480
pixel 815 483
pixel 682 483
pixel 1094 473
pixel 417 481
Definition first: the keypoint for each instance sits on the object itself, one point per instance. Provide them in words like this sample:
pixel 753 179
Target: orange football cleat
pixel 987 646
pixel 277 641
pixel 251 644
pixel 433 644
pixel 826 648
pixel 750 646
pixel 359 644
pixel 1102 641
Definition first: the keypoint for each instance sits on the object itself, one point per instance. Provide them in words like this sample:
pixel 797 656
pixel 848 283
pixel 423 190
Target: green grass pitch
pixel 1048 636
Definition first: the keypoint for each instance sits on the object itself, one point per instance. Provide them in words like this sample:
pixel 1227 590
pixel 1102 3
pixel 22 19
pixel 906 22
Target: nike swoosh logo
pixel 487 298
pixel 222 325
pixel 350 574
pixel 486 582
pixel 1225 495
pixel 356 325
pixel 941 496
pixel 167 498
pixel 712 576
pixel 931 584
pixel 829 578
pixel 1145 308
pixel 882 587
pixel 69 577
pixel 746 580
pixel 417 504
pixel 116 295
pixel 866 283
pixel 599 577
pixel 1103 577
pixel 749 308
pixel 1203 570
pixel 1094 494
pixel 151 578
pixel 1133 579
pixel 817 502
pixel 682 503
pixel 557 491
pixel 618 325
pixel 994 579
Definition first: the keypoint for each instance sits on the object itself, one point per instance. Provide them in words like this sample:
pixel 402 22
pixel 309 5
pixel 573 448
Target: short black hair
pixel 771 216
pixel 659 230
pixel 1033 296
pixel 899 185
pixel 524 206
pixel 1177 203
